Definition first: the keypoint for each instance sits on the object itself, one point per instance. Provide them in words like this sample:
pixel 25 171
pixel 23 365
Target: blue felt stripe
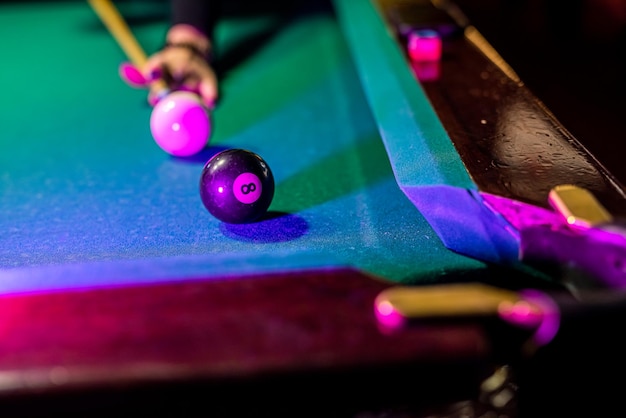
pixel 157 270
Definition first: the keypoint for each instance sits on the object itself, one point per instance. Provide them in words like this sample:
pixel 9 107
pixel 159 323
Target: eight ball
pixel 236 186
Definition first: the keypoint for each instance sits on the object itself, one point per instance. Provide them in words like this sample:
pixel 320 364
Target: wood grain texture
pixel 213 331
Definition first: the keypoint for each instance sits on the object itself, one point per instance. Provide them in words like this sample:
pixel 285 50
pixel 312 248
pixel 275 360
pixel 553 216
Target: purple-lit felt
pixel 180 124
pixel 237 186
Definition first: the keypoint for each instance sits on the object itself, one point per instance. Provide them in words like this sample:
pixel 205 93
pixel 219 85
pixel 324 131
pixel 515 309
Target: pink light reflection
pixel 387 315
pixel 522 314
pixel 424 45
pixel 538 311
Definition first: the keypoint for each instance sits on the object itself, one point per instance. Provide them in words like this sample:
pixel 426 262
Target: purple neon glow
pixel 545 236
pixel 180 124
pixel 522 215
pixel 424 45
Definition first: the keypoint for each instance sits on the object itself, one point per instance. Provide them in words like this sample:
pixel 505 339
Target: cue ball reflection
pixel 180 124
pixel 237 186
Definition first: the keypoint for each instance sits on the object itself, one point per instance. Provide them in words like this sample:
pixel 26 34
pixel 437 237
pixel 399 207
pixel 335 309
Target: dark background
pixel 570 54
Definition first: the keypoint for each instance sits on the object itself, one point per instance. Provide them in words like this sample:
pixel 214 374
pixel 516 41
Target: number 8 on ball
pixel 237 186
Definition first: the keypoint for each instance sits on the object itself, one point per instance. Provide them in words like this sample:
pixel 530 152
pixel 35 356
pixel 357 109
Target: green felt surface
pixel 87 198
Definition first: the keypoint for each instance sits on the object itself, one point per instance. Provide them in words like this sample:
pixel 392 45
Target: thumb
pixel 208 92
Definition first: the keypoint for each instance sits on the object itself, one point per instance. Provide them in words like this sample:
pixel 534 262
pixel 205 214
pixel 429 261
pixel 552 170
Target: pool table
pixel 120 293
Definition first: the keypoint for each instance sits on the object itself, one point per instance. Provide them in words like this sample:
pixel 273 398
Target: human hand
pixel 183 64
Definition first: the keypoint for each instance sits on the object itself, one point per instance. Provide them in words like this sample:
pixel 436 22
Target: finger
pixel 156 73
pixel 206 88
pixel 153 68
pixel 153 96
pixel 156 93
pixel 132 75
pixel 208 92
pixel 175 63
pixel 207 84
pixel 135 78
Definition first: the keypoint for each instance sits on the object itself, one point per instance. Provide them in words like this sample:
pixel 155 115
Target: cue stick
pixel 117 26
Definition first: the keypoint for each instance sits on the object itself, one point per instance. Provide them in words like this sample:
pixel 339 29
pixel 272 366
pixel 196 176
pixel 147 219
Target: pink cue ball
pixel 180 124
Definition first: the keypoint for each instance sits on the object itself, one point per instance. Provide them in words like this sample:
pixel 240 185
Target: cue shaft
pixel 119 29
pixel 115 23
